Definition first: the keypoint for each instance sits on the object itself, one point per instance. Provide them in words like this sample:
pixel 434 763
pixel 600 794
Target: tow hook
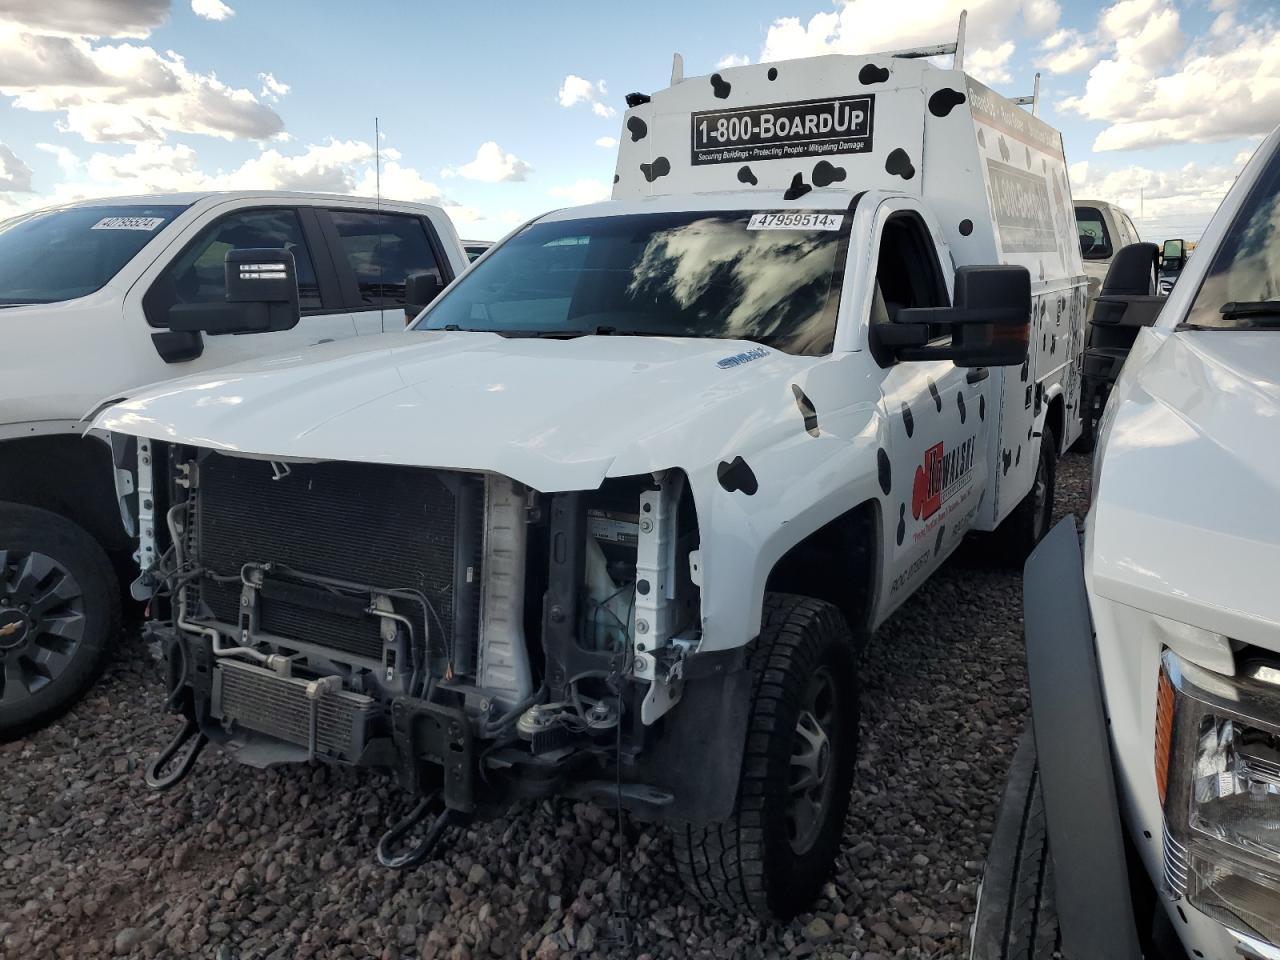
pixel 414 855
pixel 186 746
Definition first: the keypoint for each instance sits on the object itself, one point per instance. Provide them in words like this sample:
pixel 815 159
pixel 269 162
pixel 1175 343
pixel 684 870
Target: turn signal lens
pixel 1164 732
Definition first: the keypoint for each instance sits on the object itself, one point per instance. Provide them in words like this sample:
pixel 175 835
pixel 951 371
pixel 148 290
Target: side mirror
pixel 1173 255
pixel 419 290
pixel 990 324
pixel 261 297
pixel 1129 295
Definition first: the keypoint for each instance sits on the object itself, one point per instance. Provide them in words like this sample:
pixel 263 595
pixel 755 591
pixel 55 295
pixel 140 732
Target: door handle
pixel 977 375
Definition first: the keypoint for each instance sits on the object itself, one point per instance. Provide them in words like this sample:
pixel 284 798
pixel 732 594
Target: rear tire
pixel 1030 519
pixel 773 855
pixel 1017 917
pixel 59 613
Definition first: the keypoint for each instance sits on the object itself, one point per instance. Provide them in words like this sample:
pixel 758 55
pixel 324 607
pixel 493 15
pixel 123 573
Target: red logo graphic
pixel 942 473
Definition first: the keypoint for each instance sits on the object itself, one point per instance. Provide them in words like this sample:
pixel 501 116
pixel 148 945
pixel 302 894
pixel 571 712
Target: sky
pixel 500 111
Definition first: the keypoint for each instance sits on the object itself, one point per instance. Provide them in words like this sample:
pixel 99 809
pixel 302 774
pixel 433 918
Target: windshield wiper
pixel 1255 311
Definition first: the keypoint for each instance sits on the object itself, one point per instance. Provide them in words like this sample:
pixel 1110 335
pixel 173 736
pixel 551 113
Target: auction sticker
pixel 128 223
pixel 780 131
pixel 795 220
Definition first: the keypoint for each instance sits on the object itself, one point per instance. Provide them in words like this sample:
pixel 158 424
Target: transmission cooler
pixel 252 698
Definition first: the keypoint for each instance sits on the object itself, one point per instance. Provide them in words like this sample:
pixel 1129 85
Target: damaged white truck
pixel 614 516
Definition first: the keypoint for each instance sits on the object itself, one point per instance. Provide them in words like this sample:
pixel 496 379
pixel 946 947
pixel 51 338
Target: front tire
pixel 773 855
pixel 59 613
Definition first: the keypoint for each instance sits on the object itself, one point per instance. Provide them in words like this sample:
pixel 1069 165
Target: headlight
pixel 1222 802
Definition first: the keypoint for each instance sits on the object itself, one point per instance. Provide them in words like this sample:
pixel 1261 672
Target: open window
pixel 907 274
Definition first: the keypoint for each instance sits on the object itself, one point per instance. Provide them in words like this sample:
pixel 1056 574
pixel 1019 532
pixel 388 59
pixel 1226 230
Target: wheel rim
pixel 41 622
pixel 812 759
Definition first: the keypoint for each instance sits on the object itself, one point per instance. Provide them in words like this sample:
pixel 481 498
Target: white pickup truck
pixel 1154 654
pixel 86 297
pixel 614 516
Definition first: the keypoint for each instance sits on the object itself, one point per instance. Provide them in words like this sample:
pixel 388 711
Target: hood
pixel 552 414
pixel 1186 520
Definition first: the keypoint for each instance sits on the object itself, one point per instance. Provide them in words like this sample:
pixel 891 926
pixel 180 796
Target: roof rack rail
pixel 1033 101
pixel 939 49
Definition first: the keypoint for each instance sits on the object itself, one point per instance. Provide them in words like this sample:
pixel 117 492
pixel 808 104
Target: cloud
pixel 607 142
pixel 732 60
pixel 582 191
pixel 67 161
pixel 92 18
pixel 211 9
pixel 121 91
pixel 871 26
pixel 990 64
pixel 1068 51
pixel 1155 88
pixel 576 90
pixel 491 165
pixel 14 174
pixel 272 89
pixel 1174 202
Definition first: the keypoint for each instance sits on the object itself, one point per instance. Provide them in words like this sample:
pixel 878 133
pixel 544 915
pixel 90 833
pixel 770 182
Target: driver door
pixel 937 413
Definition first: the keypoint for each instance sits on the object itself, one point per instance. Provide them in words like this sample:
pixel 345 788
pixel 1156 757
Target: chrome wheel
pixel 42 622
pixel 809 788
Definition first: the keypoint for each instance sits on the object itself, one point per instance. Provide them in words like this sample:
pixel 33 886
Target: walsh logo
pixel 940 477
pixel 738 359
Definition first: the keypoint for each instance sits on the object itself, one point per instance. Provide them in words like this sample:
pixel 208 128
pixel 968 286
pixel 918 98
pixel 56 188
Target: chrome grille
pixel 1175 865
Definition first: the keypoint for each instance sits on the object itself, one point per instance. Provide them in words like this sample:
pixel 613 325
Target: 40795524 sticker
pixel 128 223
pixel 780 131
pixel 795 220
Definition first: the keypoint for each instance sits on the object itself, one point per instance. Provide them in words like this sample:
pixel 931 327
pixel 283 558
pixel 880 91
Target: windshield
pixel 769 277
pixel 1241 289
pixel 64 254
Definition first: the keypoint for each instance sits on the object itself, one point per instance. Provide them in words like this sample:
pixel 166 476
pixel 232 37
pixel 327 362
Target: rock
pixel 478 875
pixel 817 930
pixel 127 940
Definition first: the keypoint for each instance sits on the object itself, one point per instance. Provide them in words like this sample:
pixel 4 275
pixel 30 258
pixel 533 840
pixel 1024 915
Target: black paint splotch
pixel 944 101
pixel 982 407
pixel 616 178
pixel 825 174
pixel 797 189
pixel 1004 149
pixel 1026 367
pixel 872 74
pixel 1018 460
pixel 659 168
pixel 720 86
pixel 773 73
pixel 937 543
pixel 1007 457
pixel 807 410
pixel 982 139
pixel 902 523
pixel 908 420
pixel 1028 158
pixel 736 475
pixel 637 128
pixel 960 404
pixel 746 176
pixel 966 227
pixel 933 392
pixel 885 471
pixel 899 164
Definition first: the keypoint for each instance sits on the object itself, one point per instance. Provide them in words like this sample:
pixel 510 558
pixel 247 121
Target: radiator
pixel 385 526
pixel 257 699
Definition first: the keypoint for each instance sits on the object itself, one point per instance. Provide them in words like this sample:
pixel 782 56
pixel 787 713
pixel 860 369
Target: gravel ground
pixel 241 863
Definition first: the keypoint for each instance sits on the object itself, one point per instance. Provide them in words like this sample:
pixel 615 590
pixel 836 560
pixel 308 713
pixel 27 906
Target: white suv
pixel 86 293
